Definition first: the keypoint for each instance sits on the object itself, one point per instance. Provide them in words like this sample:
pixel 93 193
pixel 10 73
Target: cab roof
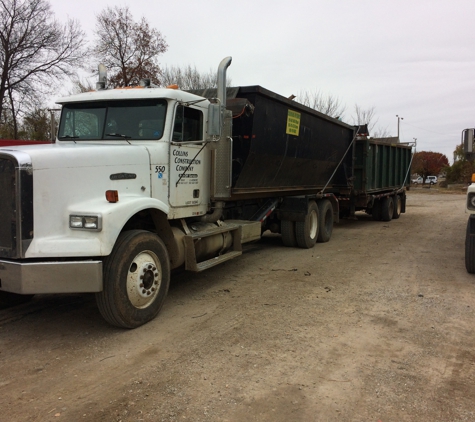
pixel 135 93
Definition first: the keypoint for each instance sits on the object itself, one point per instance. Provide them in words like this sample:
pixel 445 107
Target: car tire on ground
pixel 325 229
pixel 387 208
pixel 136 279
pixel 306 232
pixel 287 229
pixel 376 210
pixel 397 207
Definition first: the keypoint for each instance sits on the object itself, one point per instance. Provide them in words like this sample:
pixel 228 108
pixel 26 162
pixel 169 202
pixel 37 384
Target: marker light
pixel 112 196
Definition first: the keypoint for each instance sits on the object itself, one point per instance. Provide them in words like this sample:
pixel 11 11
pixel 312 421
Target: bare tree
pixel 34 50
pixel 326 104
pixel 37 125
pixel 381 132
pixel 81 85
pixel 189 77
pixel 365 117
pixel 128 49
pixel 368 117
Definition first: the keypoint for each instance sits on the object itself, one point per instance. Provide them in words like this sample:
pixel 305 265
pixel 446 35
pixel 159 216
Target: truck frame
pixel 144 180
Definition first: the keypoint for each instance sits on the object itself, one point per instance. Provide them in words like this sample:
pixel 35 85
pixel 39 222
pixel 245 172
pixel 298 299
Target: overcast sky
pixel 412 58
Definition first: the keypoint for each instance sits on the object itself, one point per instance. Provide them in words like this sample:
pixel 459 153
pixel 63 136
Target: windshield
pixel 112 120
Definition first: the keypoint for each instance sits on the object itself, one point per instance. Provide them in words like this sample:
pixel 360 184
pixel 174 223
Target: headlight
pixel 85 222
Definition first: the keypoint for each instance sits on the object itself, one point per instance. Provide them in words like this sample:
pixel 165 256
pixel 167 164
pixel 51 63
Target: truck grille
pixel 16 207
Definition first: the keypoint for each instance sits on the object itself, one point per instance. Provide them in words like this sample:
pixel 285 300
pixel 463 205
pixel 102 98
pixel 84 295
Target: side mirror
pixel 215 121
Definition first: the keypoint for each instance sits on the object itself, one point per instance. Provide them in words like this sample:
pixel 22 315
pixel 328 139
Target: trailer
pixel 144 180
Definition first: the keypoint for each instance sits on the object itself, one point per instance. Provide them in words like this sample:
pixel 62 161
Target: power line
pixel 427 130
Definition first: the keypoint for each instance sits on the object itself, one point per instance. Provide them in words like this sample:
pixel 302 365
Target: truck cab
pixel 106 209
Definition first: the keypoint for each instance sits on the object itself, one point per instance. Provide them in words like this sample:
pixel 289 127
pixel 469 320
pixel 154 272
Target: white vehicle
pixel 144 180
pixel 418 180
pixel 432 180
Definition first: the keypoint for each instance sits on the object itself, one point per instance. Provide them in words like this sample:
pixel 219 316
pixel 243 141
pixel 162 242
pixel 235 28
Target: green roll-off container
pixel 380 166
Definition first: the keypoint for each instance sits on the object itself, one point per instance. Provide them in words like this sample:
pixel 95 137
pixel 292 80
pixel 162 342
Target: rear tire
pixel 325 229
pixel 306 231
pixel 387 208
pixel 376 210
pixel 469 250
pixel 136 279
pixel 397 207
pixel 287 229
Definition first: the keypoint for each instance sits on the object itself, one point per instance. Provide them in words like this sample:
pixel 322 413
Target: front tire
pixel 136 279
pixel 306 231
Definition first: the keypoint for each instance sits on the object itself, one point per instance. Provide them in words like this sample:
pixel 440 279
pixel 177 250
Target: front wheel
pixel 136 279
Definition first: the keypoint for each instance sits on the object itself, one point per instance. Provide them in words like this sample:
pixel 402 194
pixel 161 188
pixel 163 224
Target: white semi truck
pixel 144 180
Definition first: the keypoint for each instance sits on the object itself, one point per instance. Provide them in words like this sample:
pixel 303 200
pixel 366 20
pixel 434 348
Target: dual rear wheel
pixel 316 227
pixel 387 208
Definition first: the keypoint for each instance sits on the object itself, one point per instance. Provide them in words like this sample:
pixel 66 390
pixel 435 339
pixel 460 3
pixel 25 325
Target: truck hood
pixel 81 155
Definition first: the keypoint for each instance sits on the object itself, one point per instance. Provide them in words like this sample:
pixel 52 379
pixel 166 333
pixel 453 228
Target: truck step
pixel 204 265
pixel 233 250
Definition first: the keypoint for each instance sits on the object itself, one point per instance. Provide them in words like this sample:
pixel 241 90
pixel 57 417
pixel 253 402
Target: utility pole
pixel 398 119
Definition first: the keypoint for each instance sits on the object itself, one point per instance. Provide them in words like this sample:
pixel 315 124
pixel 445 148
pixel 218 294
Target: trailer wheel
pixel 397 207
pixel 8 299
pixel 306 232
pixel 387 208
pixel 325 229
pixel 469 250
pixel 376 210
pixel 136 279
pixel 287 229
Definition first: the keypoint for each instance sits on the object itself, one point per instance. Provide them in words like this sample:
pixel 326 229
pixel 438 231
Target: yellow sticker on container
pixel 293 123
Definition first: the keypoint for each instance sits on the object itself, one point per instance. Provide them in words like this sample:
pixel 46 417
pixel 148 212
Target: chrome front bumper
pixel 51 277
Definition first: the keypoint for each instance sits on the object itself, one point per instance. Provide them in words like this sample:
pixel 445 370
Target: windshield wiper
pixel 68 136
pixel 118 135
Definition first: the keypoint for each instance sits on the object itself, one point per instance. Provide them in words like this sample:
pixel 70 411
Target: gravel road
pixel 375 325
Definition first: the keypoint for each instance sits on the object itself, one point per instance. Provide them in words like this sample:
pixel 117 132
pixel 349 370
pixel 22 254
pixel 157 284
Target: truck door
pixel 188 158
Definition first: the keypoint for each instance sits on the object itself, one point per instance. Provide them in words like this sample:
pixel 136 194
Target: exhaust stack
pixel 222 80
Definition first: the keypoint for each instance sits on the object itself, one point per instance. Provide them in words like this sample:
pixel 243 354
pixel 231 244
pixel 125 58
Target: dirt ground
pixel 376 325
